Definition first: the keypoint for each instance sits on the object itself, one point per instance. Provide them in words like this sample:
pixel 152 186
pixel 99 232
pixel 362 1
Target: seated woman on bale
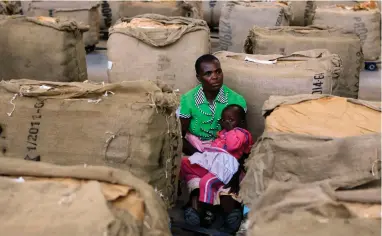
pixel 200 114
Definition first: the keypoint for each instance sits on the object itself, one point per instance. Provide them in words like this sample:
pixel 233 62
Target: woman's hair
pixel 202 59
pixel 239 108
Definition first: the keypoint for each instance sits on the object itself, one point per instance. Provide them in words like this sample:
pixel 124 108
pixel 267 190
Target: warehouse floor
pixel 369 89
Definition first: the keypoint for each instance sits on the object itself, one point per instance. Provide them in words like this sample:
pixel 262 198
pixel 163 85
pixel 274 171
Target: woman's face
pixel 211 76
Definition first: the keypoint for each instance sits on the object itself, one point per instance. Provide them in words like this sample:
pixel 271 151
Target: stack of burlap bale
pixel 129 125
pixel 314 146
pixel 285 40
pixel 363 19
pixel 143 136
pixel 85 12
pixel 111 11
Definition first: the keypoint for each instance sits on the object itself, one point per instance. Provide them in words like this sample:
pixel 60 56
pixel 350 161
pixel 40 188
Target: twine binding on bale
pixel 14 105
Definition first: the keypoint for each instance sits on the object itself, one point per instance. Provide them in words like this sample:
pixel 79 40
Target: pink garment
pixel 209 184
pixel 236 142
pixel 217 161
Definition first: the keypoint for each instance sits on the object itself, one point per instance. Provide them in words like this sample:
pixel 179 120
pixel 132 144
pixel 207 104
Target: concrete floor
pixel 369 87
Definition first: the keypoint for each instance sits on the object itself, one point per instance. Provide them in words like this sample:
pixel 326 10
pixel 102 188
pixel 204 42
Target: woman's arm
pixel 188 149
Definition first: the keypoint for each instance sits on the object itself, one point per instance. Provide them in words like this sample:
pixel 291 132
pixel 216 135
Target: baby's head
pixel 233 116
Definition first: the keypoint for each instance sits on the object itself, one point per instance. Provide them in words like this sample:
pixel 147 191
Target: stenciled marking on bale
pixel 282 51
pixel 318 82
pixel 163 64
pixel 106 13
pixel 33 133
pixel 308 11
pixel 359 67
pixel 226 39
pixel 280 17
pixel 360 29
pixel 212 5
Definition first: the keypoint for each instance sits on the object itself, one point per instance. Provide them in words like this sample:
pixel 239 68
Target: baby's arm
pixel 235 140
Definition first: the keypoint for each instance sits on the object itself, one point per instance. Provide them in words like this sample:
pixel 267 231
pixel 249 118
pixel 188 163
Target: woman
pixel 199 112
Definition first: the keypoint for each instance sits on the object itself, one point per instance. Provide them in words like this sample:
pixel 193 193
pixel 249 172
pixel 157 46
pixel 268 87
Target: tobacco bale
pixel 365 22
pixel 301 209
pixel 154 48
pixel 27 52
pixel 129 125
pixel 286 40
pixel 85 12
pixel 10 7
pixel 89 200
pixel 237 18
pixel 302 12
pixel 305 72
pixel 312 138
pixel 191 9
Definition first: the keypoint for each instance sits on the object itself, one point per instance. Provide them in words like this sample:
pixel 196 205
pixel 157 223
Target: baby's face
pixel 230 119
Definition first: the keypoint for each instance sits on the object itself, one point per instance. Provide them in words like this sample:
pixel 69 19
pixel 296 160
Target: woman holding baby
pixel 216 143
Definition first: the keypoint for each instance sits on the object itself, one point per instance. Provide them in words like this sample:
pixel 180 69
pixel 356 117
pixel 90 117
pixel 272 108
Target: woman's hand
pixel 188 149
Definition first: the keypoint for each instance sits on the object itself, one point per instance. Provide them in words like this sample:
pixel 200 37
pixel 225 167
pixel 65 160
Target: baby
pixel 219 160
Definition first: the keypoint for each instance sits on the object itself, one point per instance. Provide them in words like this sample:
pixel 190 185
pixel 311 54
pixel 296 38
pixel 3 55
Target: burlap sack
pixel 155 47
pixel 77 200
pixel 27 52
pixel 302 12
pixel 301 209
pixel 237 18
pixel 211 12
pixel 365 23
pixel 109 12
pixel 10 7
pixel 304 72
pixel 332 3
pixel 129 125
pixel 286 40
pixel 191 9
pixel 312 138
pixel 344 3
pixel 85 12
